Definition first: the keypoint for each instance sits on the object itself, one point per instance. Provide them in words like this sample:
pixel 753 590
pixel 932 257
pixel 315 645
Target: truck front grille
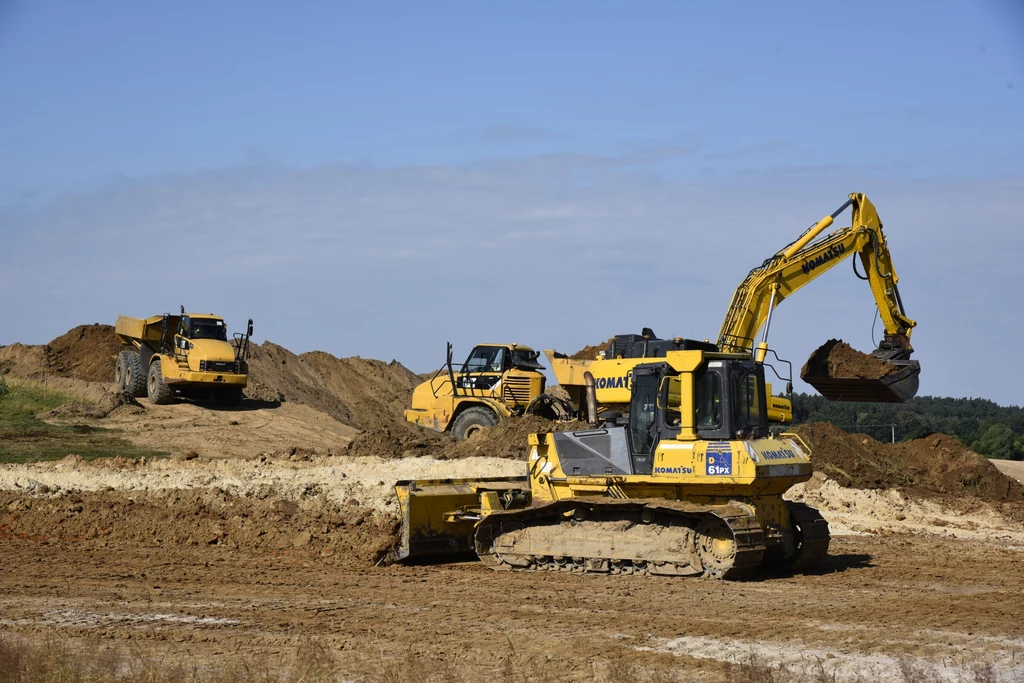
pixel 516 390
pixel 228 366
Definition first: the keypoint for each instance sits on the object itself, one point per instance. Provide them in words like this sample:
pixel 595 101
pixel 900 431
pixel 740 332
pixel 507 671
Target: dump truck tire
pixel 159 392
pixel 472 420
pixel 227 397
pixel 120 371
pixel 134 376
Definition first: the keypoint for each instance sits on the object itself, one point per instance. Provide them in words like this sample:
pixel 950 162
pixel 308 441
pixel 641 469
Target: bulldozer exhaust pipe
pixel 588 377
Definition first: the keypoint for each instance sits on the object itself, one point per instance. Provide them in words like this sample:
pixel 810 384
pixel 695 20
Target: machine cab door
pixel 646 415
pixel 484 368
pixel 181 343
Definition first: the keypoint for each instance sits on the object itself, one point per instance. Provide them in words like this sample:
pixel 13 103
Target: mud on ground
pixel 260 556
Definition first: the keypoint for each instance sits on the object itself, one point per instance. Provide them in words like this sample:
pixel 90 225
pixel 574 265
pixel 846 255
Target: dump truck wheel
pixel 134 377
pixel 471 421
pixel 159 392
pixel 121 371
pixel 227 397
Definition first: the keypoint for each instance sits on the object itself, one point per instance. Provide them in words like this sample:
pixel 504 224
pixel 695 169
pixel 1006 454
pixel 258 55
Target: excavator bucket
pixel 439 515
pixel 840 373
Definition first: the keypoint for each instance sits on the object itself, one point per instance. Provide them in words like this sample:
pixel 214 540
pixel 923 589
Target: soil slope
pixel 934 466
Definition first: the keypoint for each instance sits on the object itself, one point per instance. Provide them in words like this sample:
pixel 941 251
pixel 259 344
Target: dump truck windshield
pixel 486 359
pixel 209 329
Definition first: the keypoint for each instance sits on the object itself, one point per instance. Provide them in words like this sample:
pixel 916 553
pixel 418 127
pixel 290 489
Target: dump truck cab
pixel 495 382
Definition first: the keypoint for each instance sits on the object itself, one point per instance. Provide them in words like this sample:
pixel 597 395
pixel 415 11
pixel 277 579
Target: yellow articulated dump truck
pixel 186 355
pixel 496 381
pixel 690 484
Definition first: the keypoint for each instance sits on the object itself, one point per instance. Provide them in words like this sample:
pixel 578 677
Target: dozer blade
pixel 439 515
pixel 883 380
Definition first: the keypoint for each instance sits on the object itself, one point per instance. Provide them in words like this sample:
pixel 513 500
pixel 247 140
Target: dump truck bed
pixel 130 329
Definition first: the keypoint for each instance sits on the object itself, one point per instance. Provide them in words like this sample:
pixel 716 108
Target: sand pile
pixel 363 393
pixel 85 352
pixel 836 358
pixel 936 466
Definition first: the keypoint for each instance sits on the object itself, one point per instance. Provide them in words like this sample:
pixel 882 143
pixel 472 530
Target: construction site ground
pixel 262 537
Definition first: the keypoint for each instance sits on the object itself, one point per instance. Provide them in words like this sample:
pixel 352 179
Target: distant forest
pixel 990 429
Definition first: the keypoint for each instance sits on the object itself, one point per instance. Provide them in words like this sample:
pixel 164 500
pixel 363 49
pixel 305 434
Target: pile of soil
pixel 836 358
pixel 508 439
pixel 85 352
pixel 364 393
pixel 20 360
pixel 349 533
pixel 590 352
pixel 936 466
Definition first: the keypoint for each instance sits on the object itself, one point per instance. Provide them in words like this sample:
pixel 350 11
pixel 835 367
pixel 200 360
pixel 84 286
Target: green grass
pixel 26 438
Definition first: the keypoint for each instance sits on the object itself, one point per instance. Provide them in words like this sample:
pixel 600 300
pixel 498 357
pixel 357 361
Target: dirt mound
pixel 508 439
pixel 85 352
pixel 20 360
pixel 936 466
pixel 201 517
pixel 363 393
pixel 590 352
pixel 836 358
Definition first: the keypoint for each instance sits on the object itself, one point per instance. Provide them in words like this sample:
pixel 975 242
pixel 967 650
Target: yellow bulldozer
pixel 187 355
pixel 690 484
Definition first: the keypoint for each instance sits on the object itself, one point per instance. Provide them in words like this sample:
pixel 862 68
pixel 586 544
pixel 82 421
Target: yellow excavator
pixel 691 482
pixel 800 262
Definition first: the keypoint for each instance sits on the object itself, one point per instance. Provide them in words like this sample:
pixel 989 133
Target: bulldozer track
pixel 667 538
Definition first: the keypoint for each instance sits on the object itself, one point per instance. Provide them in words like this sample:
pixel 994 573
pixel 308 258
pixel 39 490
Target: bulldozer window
pixel 643 414
pixel 708 398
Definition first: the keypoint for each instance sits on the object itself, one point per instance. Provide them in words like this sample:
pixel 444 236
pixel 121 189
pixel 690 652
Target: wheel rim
pixel 152 385
pixel 472 430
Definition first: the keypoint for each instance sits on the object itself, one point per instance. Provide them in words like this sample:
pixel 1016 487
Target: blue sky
pixel 375 179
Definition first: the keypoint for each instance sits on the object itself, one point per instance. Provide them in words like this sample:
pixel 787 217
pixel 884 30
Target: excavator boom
pixel 768 285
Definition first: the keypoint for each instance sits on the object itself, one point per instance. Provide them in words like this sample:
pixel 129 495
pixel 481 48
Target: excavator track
pixel 812 535
pixel 660 537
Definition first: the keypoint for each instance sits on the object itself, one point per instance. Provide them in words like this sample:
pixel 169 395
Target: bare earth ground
pixel 934 588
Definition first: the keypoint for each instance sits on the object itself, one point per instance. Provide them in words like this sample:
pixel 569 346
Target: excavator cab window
pixel 643 413
pixel 749 413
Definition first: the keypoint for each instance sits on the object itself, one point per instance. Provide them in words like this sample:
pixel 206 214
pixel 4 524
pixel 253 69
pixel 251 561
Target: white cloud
pixel 555 250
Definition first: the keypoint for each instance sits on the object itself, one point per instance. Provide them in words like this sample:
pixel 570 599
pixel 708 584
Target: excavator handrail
pixel 803 260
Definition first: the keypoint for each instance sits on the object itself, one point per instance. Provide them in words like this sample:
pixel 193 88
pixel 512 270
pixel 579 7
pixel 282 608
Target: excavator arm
pixel 768 285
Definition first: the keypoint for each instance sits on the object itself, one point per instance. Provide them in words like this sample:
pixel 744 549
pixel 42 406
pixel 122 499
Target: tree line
pixel 993 430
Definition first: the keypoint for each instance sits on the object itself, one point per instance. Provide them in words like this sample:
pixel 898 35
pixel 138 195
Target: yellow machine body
pixel 612 378
pixel 691 486
pixel 497 381
pixel 188 355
